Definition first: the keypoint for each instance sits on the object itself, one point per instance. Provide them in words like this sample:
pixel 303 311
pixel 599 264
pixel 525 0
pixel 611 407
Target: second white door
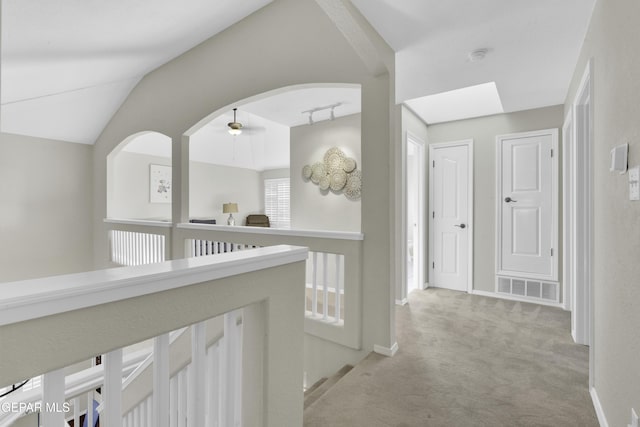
pixel 450 204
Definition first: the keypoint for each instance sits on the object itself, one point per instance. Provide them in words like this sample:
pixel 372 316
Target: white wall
pixel 211 186
pixel 288 42
pixel 312 209
pixel 130 187
pixel 483 131
pixel 612 41
pixel 46 208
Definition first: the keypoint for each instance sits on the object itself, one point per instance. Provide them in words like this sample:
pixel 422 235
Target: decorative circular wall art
pixel 334 160
pixel 338 180
pixel 349 165
pixel 317 171
pixel 353 187
pixel 325 183
pixel 306 172
pixel 336 172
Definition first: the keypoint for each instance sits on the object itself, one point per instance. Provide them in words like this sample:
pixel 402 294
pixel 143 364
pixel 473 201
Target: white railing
pixel 325 287
pixel 102 311
pixel 137 242
pixel 199 247
pixel 333 302
pixel 333 307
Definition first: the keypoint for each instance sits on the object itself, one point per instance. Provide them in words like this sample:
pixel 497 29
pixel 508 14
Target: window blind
pixel 277 202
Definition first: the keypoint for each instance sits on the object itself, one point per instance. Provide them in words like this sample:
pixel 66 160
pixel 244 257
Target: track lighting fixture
pixel 332 114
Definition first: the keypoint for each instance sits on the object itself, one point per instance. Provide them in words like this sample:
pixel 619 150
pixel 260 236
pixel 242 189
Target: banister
pixel 36 298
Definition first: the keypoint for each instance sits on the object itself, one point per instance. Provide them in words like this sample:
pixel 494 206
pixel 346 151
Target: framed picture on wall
pixel 159 184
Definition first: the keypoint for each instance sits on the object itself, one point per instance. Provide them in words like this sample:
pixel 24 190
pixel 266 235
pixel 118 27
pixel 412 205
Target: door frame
pixel 421 246
pixel 568 147
pixel 554 202
pixel 581 180
pixel 470 220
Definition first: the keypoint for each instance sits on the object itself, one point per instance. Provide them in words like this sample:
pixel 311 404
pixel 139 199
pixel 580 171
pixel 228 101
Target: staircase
pixel 323 385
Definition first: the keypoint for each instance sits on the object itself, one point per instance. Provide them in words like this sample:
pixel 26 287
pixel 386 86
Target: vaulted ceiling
pixel 67 65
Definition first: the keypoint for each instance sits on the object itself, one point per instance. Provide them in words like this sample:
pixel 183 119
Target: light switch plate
pixel 634 183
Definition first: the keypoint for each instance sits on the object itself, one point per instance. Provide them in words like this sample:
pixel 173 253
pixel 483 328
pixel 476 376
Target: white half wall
pixel 45 213
pixel 310 208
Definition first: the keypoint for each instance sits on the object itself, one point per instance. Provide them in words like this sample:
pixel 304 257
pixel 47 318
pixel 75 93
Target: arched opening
pixel 285 133
pixel 139 183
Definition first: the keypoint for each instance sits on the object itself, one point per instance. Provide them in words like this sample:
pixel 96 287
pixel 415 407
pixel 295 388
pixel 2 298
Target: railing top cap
pixel 30 299
pixel 321 234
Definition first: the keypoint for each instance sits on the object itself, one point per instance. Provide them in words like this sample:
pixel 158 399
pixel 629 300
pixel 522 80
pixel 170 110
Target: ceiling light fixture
pixel 478 54
pixel 332 114
pixel 235 128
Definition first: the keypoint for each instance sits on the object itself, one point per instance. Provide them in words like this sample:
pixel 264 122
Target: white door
pixel 527 233
pixel 450 201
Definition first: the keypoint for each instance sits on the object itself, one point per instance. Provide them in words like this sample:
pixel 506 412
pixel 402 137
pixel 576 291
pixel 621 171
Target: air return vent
pixel 534 290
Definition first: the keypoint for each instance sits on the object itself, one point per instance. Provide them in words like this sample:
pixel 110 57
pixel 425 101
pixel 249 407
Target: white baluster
pixel 112 392
pixel 76 412
pixel 339 273
pixel 173 403
pixel 314 285
pixel 197 384
pixel 325 291
pixel 182 397
pixel 90 419
pixel 161 385
pixel 213 385
pixel 53 398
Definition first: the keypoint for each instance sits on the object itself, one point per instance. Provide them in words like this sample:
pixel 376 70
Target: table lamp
pixel 230 208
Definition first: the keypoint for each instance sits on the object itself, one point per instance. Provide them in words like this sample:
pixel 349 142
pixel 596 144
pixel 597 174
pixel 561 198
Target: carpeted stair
pixel 323 385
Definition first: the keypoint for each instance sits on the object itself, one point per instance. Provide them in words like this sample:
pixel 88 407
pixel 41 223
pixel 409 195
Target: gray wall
pixel 210 186
pixel 483 131
pixel 269 50
pixel 46 208
pixel 311 208
pixel 213 185
pixel 612 41
pixel 130 187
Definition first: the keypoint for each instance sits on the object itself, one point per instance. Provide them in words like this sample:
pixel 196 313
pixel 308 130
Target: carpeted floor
pixel 466 360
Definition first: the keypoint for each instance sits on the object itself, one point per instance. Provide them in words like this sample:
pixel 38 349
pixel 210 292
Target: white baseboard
pixel 403 301
pixel 514 298
pixel 385 351
pixel 598 407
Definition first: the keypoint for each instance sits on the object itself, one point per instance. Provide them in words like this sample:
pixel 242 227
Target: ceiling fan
pixel 235 127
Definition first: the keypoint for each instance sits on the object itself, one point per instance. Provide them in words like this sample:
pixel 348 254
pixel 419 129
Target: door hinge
pixel 434 163
pixel 551 251
pixel 433 265
pixel 433 214
pixel 552 152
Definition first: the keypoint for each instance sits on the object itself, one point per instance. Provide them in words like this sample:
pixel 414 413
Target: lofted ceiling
pixel 67 65
pixel 533 46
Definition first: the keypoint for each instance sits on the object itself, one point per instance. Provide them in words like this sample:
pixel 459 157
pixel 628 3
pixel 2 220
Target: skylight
pixel 465 103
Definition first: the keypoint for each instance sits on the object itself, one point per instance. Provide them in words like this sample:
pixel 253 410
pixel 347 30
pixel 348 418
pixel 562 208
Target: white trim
pixel 321 234
pixel 36 298
pixel 470 219
pixel 554 204
pixel 567 207
pixel 515 298
pixel 403 301
pixel 582 328
pixel 386 351
pixel 602 419
pixel 150 223
pixel 422 215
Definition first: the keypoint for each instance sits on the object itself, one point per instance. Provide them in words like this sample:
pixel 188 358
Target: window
pixel 276 202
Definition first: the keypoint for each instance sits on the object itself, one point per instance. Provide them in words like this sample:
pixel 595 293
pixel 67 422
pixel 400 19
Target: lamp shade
pixel 229 208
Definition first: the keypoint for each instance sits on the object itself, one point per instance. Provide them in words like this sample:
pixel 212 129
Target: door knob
pixel 509 200
pixel 460 225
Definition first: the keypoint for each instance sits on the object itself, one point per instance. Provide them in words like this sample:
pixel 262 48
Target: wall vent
pixel 535 290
